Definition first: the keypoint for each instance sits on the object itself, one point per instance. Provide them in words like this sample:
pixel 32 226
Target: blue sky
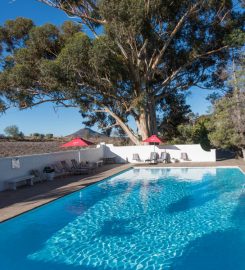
pixel 44 118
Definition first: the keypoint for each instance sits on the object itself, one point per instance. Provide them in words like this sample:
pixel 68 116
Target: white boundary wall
pixel 125 153
pixel 122 153
pixel 39 161
pixel 92 154
pixel 28 163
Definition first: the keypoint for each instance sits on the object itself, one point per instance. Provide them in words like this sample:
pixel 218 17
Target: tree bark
pixel 143 125
pixel 152 119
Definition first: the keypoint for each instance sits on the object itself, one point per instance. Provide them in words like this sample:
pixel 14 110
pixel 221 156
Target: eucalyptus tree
pixel 143 53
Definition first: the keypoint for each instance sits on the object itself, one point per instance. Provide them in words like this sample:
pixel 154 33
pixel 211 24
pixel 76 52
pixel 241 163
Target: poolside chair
pixel 88 164
pixel 165 157
pixel 38 176
pixel 184 157
pixel 83 166
pixel 75 164
pixel 59 170
pixel 69 169
pixel 153 158
pixel 136 157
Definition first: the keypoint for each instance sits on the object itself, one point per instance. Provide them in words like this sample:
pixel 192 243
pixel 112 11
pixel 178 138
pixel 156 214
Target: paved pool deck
pixel 13 203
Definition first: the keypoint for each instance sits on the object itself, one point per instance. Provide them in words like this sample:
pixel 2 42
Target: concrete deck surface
pixel 25 198
pixel 13 203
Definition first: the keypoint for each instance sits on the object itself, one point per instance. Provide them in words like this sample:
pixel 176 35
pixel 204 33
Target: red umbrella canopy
pixel 153 139
pixel 77 142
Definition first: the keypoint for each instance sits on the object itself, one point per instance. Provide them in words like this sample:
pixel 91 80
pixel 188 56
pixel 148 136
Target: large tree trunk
pixel 152 119
pixel 146 122
pixel 142 125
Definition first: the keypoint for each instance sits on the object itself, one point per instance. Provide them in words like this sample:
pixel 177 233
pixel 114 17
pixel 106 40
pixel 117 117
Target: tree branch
pixel 77 13
pixel 173 33
pixel 54 100
pixel 174 74
pixel 124 127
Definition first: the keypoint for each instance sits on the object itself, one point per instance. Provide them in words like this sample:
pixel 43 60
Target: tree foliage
pixel 196 131
pixel 148 53
pixel 227 124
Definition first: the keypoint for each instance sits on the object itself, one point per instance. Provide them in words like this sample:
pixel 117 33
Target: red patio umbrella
pixel 77 142
pixel 153 139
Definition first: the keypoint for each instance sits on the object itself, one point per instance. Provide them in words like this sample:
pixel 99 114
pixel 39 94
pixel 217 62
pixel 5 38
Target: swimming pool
pixel 178 219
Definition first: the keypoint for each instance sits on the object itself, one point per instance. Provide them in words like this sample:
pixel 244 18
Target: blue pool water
pixel 171 219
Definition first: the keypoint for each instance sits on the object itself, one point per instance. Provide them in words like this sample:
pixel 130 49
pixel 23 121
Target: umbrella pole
pixel 79 156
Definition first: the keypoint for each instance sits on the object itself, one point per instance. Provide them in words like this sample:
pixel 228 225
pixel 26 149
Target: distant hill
pixel 87 133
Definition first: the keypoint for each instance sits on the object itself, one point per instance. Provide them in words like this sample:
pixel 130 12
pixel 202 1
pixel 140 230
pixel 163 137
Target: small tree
pixel 12 131
pixel 21 135
pixel 223 133
pixel 41 136
pixel 36 135
pixel 49 136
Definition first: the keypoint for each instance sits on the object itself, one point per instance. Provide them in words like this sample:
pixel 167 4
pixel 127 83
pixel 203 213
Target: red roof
pixel 153 139
pixel 77 142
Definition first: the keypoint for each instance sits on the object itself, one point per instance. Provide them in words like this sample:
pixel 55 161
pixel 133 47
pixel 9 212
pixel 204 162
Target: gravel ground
pixel 19 148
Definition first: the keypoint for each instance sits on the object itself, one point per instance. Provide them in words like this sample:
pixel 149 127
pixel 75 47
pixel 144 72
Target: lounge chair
pixel 87 164
pixel 59 170
pixel 38 176
pixel 83 166
pixel 99 163
pixel 165 157
pixel 136 158
pixel 153 158
pixel 73 170
pixel 184 157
